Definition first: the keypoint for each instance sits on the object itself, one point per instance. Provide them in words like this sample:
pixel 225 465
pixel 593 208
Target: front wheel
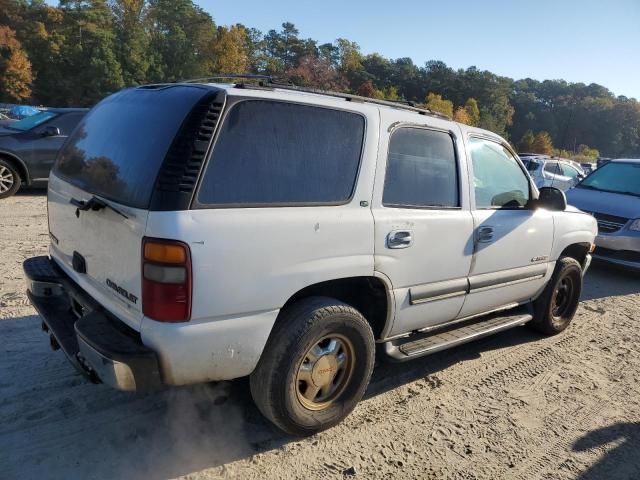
pixel 315 367
pixel 9 179
pixel 556 306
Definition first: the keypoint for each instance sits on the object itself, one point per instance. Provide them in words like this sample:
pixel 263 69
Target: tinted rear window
pixel 421 170
pixel 281 153
pixel 118 148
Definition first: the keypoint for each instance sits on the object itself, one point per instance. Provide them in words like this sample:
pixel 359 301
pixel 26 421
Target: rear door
pixel 115 155
pixel 512 242
pixel 423 225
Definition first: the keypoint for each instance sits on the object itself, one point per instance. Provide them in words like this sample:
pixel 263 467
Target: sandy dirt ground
pixel 515 406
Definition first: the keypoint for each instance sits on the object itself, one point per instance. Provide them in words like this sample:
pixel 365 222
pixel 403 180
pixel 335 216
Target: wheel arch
pixel 577 251
pixel 18 164
pixel 370 295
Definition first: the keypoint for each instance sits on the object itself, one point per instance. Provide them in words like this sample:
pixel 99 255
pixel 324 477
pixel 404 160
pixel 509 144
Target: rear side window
pixel 117 149
pixel 421 170
pixel 276 153
pixel 553 168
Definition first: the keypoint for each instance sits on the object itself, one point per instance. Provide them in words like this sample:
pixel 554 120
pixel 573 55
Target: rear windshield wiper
pixel 94 204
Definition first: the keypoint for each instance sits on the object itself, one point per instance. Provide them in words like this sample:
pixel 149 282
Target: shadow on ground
pixel 54 425
pixel 621 461
pixel 605 281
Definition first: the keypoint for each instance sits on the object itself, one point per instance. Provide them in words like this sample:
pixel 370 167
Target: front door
pixel 423 223
pixel 512 242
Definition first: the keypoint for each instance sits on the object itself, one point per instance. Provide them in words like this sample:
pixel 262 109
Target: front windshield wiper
pixel 95 204
pixel 607 191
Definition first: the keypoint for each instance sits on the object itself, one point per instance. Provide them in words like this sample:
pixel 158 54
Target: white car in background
pixel 552 172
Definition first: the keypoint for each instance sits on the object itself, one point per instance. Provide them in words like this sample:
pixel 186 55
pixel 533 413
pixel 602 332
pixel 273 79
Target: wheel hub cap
pixel 6 179
pixel 324 372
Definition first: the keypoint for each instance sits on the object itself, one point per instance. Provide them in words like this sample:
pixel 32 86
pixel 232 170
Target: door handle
pixel 485 235
pixel 399 239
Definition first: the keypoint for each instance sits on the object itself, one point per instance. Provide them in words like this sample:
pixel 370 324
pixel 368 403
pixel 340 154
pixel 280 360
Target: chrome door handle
pixel 399 239
pixel 485 234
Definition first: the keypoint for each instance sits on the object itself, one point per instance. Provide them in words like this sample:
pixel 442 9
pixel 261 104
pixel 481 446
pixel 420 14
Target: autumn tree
pixel 461 116
pixel 436 103
pixel 526 142
pixel 542 144
pixel 230 50
pixel 15 68
pixel 318 73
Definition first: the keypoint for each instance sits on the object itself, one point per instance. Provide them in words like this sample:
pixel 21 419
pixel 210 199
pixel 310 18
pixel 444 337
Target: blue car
pixel 612 195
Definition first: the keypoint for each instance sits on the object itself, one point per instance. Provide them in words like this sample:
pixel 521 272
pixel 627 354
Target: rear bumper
pixel 98 345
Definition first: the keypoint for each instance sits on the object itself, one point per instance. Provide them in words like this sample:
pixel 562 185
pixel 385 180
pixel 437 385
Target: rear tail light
pixel 166 280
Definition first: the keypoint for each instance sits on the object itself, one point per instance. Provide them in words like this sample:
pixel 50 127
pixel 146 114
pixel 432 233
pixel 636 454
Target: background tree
pixel 472 111
pixel 542 144
pixel 461 115
pixel 438 104
pixel 230 50
pixel 526 142
pixel 15 68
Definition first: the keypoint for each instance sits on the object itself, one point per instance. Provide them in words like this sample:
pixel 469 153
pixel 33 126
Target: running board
pixel 420 344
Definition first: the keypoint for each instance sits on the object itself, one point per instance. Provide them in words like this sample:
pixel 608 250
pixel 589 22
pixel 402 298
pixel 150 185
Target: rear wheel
pixel 556 306
pixel 9 179
pixel 315 367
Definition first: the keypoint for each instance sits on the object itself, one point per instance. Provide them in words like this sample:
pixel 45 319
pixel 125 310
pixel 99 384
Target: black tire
pixel 275 383
pixel 555 307
pixel 10 180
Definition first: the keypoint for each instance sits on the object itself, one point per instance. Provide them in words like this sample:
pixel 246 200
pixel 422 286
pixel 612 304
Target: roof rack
pixel 406 105
pixel 269 81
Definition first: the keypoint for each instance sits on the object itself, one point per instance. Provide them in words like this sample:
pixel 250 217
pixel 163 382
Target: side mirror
pixel 51 131
pixel 552 199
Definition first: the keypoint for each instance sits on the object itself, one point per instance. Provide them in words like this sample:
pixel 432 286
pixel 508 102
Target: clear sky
pixel 579 41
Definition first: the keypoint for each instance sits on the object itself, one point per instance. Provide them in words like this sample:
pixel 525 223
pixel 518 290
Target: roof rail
pixel 269 81
pixel 225 75
pixel 407 105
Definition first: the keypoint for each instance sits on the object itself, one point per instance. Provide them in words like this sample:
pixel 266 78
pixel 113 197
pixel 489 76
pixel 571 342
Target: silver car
pixel 552 172
pixel 612 195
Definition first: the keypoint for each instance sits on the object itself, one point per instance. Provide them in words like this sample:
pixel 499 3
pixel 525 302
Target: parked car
pixel 612 195
pixel 28 147
pixel 549 172
pixel 5 119
pixel 281 234
pixel 588 167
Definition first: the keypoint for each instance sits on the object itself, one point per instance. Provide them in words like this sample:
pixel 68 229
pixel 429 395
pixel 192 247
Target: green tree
pixel 542 144
pixel 526 142
pixel 436 103
pixel 472 111
pixel 182 40
pixel 132 40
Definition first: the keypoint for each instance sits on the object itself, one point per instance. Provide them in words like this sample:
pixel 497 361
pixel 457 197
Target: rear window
pixel 277 153
pixel 118 148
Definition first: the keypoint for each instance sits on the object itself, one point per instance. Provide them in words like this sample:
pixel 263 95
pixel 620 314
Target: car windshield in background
pixel 616 177
pixel 117 149
pixel 32 121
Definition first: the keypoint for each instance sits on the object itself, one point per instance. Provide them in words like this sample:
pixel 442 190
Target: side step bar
pixel 421 344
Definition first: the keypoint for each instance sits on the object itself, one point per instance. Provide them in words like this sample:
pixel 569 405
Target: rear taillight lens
pixel 166 280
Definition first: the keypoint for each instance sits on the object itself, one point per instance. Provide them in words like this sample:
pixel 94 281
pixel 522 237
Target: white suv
pixel 204 232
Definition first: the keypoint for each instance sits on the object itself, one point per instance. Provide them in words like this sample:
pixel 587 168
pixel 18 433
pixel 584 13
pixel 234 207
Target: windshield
pixel 32 121
pixel 616 177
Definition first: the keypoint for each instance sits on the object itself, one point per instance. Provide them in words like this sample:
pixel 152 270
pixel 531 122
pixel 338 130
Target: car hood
pixel 627 206
pixel 6 131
